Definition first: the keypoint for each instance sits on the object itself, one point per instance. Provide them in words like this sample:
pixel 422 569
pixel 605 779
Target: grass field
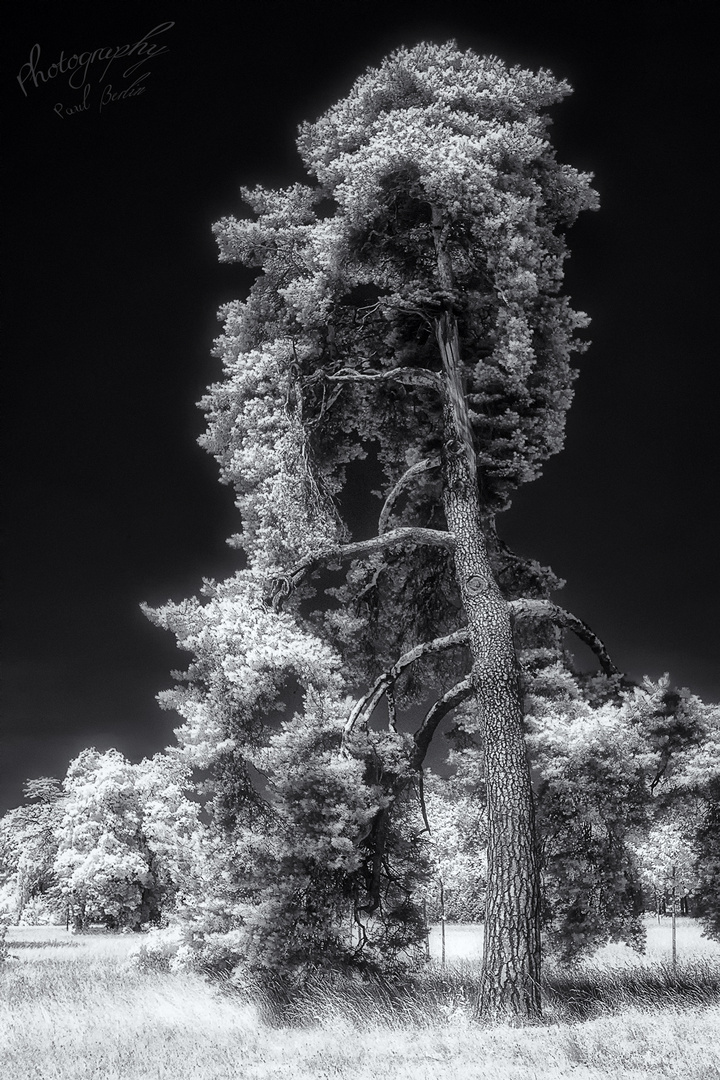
pixel 72 1008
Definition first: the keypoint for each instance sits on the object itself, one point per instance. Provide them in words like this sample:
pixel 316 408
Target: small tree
pixel 171 826
pixel 667 862
pixel 688 810
pixel 457 825
pixel 125 838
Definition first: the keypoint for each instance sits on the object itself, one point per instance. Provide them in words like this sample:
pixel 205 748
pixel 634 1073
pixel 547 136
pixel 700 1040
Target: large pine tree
pixel 406 331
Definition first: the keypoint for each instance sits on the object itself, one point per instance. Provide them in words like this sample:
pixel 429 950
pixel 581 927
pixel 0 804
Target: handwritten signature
pixel 77 68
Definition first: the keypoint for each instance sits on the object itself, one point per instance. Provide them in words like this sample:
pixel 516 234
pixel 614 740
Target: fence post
pixel 442 922
pixel 674 928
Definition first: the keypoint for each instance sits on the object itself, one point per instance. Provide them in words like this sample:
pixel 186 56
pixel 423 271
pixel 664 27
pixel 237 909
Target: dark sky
pixel 110 286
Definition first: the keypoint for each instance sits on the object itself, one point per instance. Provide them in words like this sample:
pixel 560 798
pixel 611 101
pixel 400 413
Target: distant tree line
pixel 628 795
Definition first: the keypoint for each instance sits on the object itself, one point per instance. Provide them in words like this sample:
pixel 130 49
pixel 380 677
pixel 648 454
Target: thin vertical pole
pixel 442 922
pixel 674 927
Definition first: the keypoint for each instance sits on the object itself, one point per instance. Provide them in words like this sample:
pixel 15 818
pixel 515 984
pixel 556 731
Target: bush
pixel 182 947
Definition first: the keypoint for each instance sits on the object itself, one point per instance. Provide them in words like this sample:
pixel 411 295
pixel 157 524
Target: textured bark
pixel 511 960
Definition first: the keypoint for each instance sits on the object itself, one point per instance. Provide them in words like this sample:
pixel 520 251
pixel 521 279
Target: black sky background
pixel 111 282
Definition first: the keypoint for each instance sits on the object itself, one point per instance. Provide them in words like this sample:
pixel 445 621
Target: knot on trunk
pixel 476 585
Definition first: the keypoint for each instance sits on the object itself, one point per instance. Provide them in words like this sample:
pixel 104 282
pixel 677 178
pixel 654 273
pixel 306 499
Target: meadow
pixel 73 1008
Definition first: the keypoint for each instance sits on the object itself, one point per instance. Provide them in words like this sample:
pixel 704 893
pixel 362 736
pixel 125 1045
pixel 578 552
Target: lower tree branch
pixel 363 709
pixel 519 609
pixel 449 701
pixel 421 798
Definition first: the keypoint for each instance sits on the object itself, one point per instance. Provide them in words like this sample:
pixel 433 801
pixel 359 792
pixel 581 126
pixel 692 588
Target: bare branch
pixel 392 710
pixel 543 609
pixel 406 375
pixel 284 584
pixel 363 709
pixel 325 405
pixel 415 470
pixel 449 701
pixel 421 794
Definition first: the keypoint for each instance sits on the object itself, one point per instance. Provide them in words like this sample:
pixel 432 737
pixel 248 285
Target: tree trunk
pixel 511 959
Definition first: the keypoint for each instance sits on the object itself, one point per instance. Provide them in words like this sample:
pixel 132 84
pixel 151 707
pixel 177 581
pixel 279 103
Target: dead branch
pixel 406 375
pixel 415 470
pixel 392 710
pixel 283 584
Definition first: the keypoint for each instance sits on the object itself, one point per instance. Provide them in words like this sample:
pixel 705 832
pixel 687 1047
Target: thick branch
pixel 284 584
pixel 449 701
pixel 519 609
pixel 415 470
pixel 535 609
pixel 406 375
pixel 363 709
pixel 543 609
pixel 375 860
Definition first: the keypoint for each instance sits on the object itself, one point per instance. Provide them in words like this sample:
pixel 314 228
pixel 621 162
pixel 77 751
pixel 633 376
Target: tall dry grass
pixel 72 1008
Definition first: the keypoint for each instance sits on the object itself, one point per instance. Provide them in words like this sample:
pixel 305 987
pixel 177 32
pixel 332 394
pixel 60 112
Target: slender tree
pixel 406 319
pixel 28 846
